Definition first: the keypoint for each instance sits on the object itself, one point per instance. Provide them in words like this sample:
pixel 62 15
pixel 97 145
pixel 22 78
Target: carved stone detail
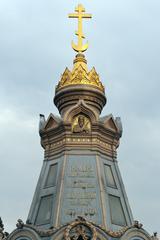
pixel 20 224
pixel 138 225
pixel 78 228
pixel 81 124
pixel 122 231
pixel 80 108
pixel 3 235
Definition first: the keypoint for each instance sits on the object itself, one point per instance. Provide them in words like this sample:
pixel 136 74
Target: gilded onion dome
pixel 80 75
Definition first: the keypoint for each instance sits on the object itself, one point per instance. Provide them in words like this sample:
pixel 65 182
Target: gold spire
pixel 80 14
pixel 80 75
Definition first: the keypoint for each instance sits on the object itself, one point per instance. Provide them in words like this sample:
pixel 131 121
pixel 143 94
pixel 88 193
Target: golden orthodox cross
pixel 80 14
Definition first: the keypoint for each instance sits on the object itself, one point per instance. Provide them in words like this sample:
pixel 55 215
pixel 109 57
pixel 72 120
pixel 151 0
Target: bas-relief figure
pixel 81 124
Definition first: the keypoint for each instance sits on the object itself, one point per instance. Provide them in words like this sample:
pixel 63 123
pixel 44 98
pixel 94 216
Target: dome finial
pixel 80 14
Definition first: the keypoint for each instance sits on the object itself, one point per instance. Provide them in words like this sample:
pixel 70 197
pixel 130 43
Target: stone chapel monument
pixel 80 193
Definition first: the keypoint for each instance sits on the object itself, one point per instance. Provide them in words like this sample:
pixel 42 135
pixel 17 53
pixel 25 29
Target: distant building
pixel 80 194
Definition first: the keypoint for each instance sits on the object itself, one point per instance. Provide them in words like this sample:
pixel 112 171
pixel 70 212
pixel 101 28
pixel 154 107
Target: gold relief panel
pixel 81 124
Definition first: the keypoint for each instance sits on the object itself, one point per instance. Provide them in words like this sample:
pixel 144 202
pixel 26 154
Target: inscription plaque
pixel 81 190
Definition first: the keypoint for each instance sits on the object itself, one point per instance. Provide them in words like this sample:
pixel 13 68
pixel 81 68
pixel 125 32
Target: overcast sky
pixel 124 37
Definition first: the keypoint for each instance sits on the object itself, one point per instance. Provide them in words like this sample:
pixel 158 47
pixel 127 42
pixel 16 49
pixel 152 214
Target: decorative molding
pixel 77 223
pixel 52 122
pixel 20 224
pixel 3 235
pixel 79 140
pixel 80 108
pixel 121 232
pixel 31 231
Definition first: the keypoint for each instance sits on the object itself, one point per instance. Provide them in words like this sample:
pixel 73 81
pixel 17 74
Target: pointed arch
pixel 109 123
pixel 80 107
pixel 52 122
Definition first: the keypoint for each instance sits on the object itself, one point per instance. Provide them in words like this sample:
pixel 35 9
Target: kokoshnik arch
pixel 80 193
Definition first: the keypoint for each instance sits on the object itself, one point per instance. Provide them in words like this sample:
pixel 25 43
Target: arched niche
pixel 80 108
